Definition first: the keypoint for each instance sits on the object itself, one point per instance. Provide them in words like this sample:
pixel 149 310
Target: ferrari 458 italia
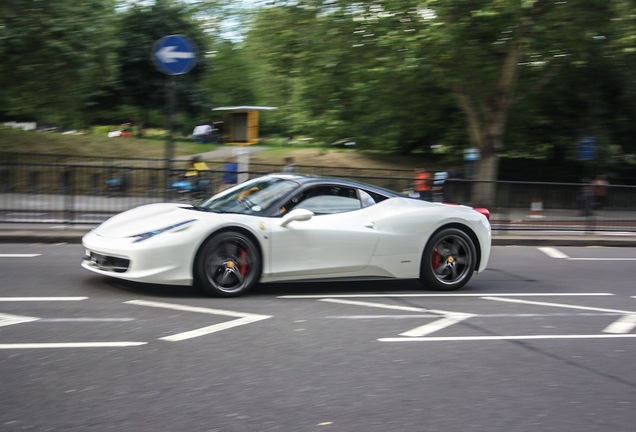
pixel 292 227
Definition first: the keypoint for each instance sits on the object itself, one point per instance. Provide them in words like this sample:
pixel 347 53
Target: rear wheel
pixel 228 265
pixel 448 261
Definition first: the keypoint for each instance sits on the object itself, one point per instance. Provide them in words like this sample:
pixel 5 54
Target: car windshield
pixel 250 197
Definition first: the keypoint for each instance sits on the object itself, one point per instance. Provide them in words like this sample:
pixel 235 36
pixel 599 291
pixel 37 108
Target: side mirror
pixel 298 215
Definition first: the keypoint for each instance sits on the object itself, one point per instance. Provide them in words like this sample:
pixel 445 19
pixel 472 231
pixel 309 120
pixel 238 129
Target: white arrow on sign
pixel 169 55
pixel 6 319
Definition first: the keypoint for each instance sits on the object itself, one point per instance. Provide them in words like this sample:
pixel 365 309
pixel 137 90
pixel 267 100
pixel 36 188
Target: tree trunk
pixel 484 190
pixel 486 123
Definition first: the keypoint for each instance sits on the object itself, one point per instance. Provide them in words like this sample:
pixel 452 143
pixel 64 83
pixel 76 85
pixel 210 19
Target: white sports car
pixel 290 227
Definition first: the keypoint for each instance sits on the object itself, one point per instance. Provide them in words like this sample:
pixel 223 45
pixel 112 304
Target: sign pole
pixel 171 93
pixel 173 55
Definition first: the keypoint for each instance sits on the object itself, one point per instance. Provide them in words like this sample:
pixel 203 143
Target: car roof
pixel 310 179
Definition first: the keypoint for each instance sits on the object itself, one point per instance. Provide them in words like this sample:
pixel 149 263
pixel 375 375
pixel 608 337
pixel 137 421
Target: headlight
pixel 174 228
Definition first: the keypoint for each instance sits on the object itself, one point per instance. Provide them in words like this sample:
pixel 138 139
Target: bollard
pixel 536 208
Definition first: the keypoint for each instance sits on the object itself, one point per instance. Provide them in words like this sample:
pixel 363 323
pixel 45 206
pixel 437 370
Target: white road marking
pixel 71 345
pixel 602 259
pixel 395 307
pixel 559 305
pixel 448 318
pixel 435 326
pixel 6 319
pixel 243 318
pixel 315 296
pixel 213 328
pixel 553 253
pixel 55 320
pixel 19 255
pixel 504 338
pixel 375 305
pixel 501 315
pixel 47 299
pixel 625 324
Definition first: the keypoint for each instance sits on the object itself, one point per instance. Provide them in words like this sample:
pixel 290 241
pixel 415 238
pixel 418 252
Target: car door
pixel 337 240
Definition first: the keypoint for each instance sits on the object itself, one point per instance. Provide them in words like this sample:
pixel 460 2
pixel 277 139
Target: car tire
pixel 448 261
pixel 227 265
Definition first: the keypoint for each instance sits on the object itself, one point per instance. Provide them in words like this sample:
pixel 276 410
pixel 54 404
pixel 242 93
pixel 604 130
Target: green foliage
pixel 56 57
pixel 515 77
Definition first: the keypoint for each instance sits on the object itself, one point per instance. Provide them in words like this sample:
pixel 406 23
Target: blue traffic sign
pixel 174 54
pixel 586 148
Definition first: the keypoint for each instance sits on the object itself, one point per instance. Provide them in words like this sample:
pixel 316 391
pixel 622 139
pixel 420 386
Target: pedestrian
pixel 439 179
pixel 230 173
pixel 195 168
pixel 586 197
pixel 290 165
pixel 600 188
pixel 202 134
pixel 422 185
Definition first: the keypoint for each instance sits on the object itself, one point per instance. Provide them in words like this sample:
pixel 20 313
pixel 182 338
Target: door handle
pixel 370 225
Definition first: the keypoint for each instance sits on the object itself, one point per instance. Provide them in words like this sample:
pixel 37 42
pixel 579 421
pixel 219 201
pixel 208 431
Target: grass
pixel 17 141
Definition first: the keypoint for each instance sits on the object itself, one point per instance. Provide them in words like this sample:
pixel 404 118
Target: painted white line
pixel 19 255
pixel 602 259
pixel 71 345
pixel 213 328
pixel 243 318
pixel 47 299
pixel 553 252
pixel 6 319
pixel 559 305
pixel 186 308
pixel 315 296
pixel 55 320
pixel 435 326
pixel 375 305
pixel 502 315
pixel 624 324
pixel 394 307
pixel 448 318
pixel 395 317
pixel 505 338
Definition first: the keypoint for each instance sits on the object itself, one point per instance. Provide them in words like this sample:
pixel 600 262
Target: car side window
pixel 323 200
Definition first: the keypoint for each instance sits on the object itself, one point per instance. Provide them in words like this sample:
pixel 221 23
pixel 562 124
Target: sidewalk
pixel 60 233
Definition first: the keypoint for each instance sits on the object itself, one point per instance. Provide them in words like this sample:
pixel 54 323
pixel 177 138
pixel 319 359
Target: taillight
pixel 483 211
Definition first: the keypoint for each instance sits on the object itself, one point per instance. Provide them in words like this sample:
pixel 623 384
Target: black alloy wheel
pixel 227 265
pixel 448 261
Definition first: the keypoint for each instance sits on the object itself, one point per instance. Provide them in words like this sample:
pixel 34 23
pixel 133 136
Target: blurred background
pixel 530 90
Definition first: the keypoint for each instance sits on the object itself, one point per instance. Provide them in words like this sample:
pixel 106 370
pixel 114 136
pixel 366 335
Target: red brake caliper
pixel 437 258
pixel 243 267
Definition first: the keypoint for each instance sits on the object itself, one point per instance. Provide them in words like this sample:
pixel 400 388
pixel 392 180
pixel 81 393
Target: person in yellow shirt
pixel 196 166
pixel 193 175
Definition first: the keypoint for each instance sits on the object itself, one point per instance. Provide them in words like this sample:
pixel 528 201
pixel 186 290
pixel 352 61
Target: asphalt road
pixel 544 340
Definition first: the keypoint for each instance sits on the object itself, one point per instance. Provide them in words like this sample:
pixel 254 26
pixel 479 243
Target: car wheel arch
pixel 237 229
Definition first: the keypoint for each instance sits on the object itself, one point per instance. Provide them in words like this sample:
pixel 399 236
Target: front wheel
pixel 228 265
pixel 448 261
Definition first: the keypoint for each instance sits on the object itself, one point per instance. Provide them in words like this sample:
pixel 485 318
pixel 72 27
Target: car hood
pixel 147 218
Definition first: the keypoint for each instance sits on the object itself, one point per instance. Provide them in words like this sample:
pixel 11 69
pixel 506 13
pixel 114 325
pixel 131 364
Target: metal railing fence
pixel 55 190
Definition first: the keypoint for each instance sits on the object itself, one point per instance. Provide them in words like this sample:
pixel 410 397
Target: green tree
pixel 56 57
